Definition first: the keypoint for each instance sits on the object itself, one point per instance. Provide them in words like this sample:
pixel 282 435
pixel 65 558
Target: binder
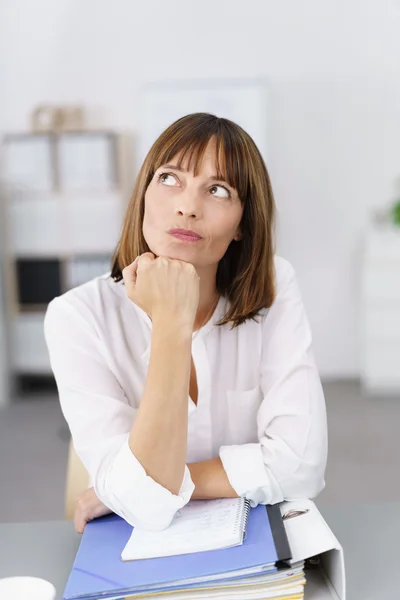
pixel 310 536
pixel 279 534
pixel 98 571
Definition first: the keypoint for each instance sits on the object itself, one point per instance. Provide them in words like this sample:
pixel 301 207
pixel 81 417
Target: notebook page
pixel 200 525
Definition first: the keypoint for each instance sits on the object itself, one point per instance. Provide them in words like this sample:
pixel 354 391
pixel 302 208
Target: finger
pixel 79 522
pixel 100 511
pixel 145 259
pixel 164 261
pixel 127 271
pixel 129 274
pixel 134 270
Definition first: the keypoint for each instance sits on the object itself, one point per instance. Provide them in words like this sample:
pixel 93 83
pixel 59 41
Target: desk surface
pixel 369 535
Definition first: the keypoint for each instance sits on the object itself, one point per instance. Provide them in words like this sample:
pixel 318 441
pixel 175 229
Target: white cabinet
pixel 29 350
pixel 53 224
pixel 35 225
pixel 380 312
pixel 92 224
pixel 63 202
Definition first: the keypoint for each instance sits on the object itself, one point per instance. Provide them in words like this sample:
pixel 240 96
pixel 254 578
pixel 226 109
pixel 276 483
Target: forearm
pixel 210 480
pixel 158 438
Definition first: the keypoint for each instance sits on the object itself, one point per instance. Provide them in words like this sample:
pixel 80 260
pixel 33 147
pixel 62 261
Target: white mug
pixel 26 588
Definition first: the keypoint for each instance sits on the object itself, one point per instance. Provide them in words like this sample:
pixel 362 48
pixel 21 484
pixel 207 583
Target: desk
pixel 369 535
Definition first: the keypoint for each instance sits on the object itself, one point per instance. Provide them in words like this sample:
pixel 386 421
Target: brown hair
pixel 245 274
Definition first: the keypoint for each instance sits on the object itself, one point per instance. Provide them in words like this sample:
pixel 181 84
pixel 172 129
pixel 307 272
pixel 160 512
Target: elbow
pixel 138 499
pixel 307 482
pixel 309 488
pixel 308 478
pixel 295 475
pixel 122 484
pixel 138 511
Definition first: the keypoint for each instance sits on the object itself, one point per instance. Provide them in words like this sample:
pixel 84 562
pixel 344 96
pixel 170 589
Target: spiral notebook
pixel 200 526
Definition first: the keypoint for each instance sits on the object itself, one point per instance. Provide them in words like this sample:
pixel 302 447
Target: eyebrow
pixel 213 177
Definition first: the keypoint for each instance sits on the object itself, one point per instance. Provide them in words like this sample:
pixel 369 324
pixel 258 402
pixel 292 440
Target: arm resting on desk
pixel 100 419
pixel 288 460
pixel 210 480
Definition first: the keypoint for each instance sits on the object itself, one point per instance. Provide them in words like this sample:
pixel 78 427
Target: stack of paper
pixel 285 585
pixel 251 570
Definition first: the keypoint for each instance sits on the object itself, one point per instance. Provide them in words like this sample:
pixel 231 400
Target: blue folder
pixel 99 572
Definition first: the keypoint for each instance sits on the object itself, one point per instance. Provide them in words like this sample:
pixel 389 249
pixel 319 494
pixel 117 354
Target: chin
pixel 174 251
pixel 184 254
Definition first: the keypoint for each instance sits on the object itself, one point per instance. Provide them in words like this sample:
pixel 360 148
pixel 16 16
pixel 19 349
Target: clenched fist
pixel 164 288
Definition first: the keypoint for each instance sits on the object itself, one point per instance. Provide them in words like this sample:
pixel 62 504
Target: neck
pixel 208 297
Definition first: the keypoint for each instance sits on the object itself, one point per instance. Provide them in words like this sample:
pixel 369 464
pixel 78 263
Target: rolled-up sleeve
pixel 100 419
pixel 288 461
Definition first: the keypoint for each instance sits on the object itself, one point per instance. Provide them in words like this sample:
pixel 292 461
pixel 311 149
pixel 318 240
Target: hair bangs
pixel 187 147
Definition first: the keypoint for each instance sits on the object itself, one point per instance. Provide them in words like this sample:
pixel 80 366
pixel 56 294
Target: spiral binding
pixel 242 516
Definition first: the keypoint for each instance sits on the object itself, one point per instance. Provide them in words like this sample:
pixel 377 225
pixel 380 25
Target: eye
pixel 167 179
pixel 220 190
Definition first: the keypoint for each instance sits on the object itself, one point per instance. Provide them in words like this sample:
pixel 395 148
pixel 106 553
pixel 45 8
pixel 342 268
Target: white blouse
pixel 260 402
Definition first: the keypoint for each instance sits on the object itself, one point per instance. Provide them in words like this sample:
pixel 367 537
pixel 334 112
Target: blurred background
pixel 86 87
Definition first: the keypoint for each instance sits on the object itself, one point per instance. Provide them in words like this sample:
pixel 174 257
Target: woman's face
pixel 204 205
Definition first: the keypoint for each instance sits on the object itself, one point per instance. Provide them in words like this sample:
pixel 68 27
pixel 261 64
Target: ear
pixel 238 235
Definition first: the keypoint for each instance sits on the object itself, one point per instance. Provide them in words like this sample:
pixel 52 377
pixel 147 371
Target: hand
pixel 164 288
pixel 87 508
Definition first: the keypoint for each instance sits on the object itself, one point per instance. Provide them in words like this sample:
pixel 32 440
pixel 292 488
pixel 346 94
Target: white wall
pixel 334 83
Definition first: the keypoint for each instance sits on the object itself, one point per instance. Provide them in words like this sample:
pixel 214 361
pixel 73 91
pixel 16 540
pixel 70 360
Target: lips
pixel 185 235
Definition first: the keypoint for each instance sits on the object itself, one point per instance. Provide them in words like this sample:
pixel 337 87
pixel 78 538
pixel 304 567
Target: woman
pixel 188 373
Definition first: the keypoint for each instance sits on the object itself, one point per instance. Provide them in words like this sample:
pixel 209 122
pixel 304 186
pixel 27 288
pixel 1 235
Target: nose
pixel 188 205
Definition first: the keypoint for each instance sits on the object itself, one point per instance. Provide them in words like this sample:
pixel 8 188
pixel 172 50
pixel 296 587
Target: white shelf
pixel 27 163
pixel 380 310
pixel 65 201
pixel 29 350
pixel 36 227
pixel 21 194
pixel 81 269
pixel 86 161
pixel 91 226
pixel 47 226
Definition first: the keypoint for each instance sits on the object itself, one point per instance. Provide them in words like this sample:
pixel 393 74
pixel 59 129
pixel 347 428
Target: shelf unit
pixel 63 200
pixel 380 339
